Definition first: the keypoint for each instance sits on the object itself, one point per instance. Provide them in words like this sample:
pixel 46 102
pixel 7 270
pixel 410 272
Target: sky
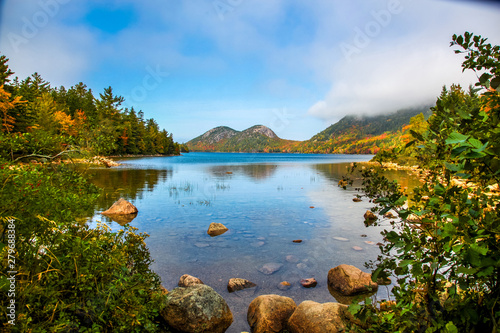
pixel 295 66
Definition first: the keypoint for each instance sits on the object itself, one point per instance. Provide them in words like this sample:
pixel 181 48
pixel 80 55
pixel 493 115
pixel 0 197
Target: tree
pixel 444 248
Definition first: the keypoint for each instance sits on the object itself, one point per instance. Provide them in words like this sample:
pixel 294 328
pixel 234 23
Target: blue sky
pixel 294 66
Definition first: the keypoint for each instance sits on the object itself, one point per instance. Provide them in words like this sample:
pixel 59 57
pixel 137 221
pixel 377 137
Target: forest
pixel 39 120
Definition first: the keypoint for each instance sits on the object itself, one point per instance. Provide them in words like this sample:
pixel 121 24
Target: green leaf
pixel 456 137
pixel 479 249
pixel 453 167
pixel 483 79
pixel 451 328
pixel 475 143
pixel 495 83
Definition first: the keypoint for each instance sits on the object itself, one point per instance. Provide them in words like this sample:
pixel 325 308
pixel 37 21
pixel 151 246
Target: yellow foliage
pixel 5 106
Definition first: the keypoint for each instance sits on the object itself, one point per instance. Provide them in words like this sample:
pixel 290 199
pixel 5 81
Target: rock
pixel 291 258
pixel 349 280
pixel 309 283
pixel 201 245
pixel 370 242
pixel 270 268
pixel 236 284
pixel 284 285
pixel 341 239
pixel 187 280
pixel 389 215
pixel 121 207
pixel 369 216
pixel 357 248
pixel 384 281
pixel 197 308
pixel 311 206
pixel 297 241
pixel 216 229
pixel 312 317
pixel 270 313
pixel 356 199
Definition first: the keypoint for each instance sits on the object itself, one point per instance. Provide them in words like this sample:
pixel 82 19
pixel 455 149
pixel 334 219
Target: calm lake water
pixel 266 201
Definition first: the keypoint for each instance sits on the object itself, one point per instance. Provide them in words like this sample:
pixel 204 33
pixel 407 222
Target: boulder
pixel 370 216
pixel 216 229
pixel 197 308
pixel 187 280
pixel 312 317
pixel 121 207
pixel 236 284
pixel 270 313
pixel 349 280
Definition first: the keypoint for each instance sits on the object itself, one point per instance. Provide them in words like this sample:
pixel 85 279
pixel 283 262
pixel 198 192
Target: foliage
pixel 71 277
pixel 444 250
pixel 39 119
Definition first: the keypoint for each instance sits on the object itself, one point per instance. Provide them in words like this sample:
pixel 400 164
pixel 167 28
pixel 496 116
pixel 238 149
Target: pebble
pixel 201 245
pixel 297 241
pixel 357 248
pixel 285 285
pixel 370 242
pixel 342 239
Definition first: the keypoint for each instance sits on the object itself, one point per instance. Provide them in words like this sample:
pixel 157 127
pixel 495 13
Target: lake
pixel 266 201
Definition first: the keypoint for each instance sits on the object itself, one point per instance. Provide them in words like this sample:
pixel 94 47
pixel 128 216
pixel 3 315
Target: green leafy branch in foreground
pixel 444 250
pixel 70 277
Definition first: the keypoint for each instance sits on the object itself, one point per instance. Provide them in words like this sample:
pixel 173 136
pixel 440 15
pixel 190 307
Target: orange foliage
pixel 67 124
pixel 5 105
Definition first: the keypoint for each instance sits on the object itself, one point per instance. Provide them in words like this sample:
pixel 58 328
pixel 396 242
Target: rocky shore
pixel 196 307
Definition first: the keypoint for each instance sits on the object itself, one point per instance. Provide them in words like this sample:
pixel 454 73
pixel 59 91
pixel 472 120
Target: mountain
pixel 362 134
pixel 350 135
pixel 257 138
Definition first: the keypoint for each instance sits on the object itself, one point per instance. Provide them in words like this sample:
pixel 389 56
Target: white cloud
pixel 392 72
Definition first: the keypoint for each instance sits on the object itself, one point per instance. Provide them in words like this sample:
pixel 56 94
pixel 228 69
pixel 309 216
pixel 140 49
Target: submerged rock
pixel 284 285
pixel 309 283
pixel 270 268
pixel 236 284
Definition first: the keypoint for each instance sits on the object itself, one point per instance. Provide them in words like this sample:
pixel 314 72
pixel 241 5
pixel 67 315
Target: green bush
pixel 70 278
pixel 444 251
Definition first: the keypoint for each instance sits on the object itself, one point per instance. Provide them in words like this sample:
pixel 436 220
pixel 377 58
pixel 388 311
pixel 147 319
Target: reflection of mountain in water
pixel 125 183
pixel 255 171
pixel 334 172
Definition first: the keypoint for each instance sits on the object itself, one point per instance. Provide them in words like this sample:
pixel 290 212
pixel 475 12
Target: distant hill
pixel 257 138
pixel 362 134
pixel 350 135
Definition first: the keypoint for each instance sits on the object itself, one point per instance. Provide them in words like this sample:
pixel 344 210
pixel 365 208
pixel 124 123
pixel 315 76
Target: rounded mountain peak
pixel 261 129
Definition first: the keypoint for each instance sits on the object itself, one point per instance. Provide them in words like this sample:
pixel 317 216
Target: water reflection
pixel 129 184
pixel 254 171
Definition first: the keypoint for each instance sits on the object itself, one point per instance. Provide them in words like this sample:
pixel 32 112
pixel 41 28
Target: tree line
pixel 38 119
